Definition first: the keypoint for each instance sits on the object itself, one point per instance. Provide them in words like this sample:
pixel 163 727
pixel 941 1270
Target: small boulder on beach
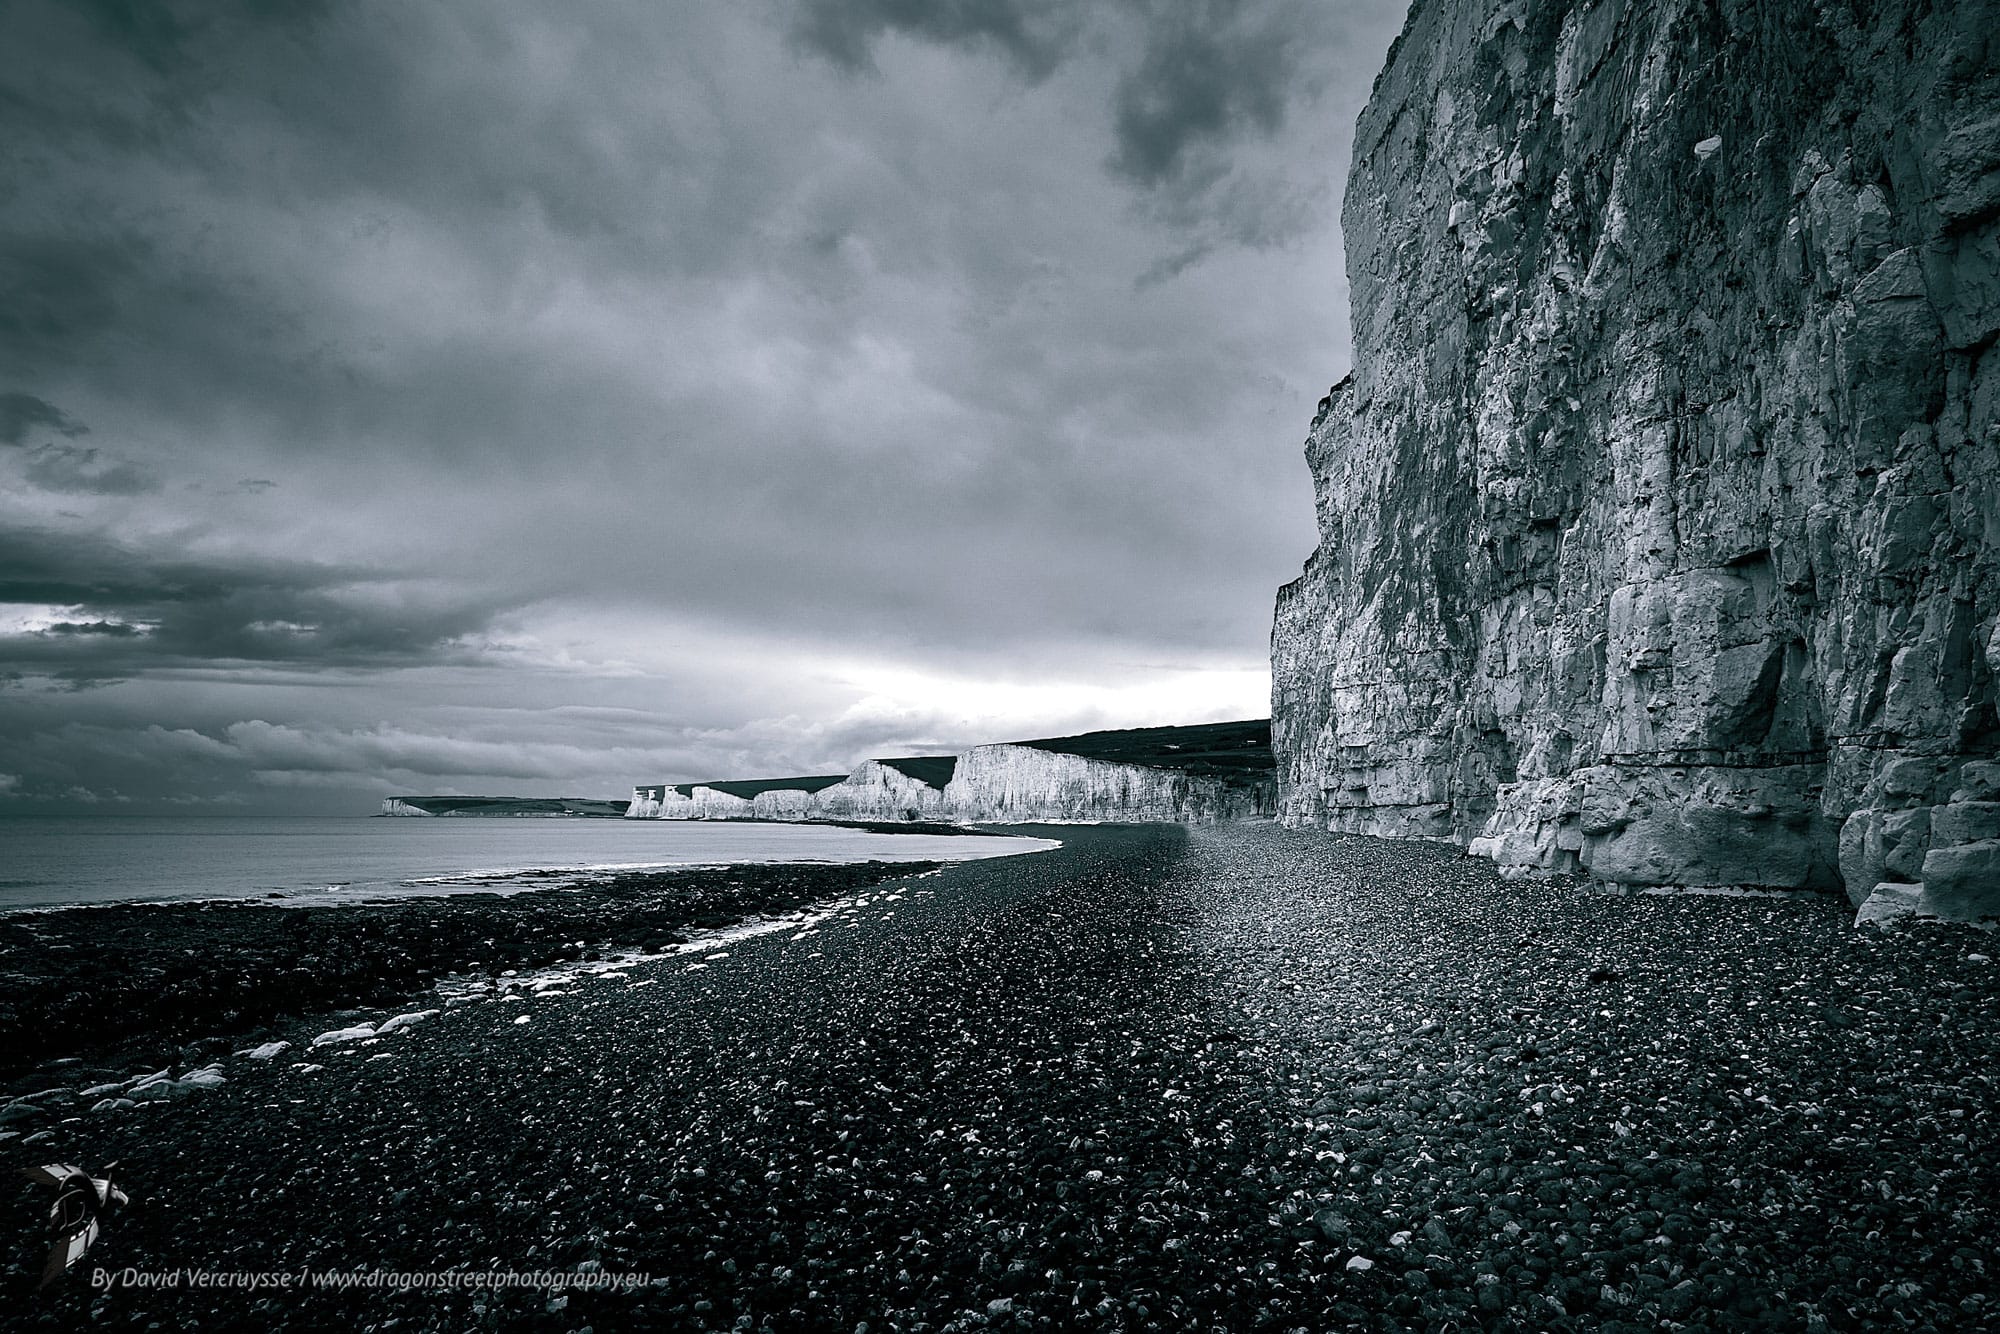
pixel 409 1020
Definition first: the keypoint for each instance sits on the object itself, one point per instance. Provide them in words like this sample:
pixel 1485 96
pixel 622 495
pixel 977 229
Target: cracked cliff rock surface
pixel 1659 517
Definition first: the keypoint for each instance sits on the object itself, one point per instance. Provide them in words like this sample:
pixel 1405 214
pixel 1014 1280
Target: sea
pixel 56 862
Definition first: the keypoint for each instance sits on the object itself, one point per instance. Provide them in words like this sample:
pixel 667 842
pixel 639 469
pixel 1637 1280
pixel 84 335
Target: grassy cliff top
pixel 1235 752
pixel 931 770
pixel 515 805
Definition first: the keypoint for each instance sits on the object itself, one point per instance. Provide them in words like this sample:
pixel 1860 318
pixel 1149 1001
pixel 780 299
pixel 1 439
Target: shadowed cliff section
pixel 1659 515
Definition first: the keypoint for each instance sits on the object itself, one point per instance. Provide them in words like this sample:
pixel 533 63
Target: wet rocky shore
pixel 143 981
pixel 1240 1078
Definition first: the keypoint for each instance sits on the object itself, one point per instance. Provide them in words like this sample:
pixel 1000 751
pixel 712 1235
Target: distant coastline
pixel 299 862
pixel 533 808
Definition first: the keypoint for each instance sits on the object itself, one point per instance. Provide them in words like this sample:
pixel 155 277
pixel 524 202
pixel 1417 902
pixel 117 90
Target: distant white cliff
pixel 1015 782
pixel 514 807
pixel 1190 775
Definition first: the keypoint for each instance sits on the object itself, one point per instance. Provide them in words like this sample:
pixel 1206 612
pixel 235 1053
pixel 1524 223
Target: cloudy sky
pixel 493 396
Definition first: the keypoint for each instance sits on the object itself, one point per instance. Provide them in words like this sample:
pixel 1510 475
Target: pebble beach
pixel 1233 1078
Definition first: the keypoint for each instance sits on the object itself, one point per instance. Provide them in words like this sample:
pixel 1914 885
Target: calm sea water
pixel 47 862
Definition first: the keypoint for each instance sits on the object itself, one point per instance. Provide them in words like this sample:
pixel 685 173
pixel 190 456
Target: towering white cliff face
pixel 1660 517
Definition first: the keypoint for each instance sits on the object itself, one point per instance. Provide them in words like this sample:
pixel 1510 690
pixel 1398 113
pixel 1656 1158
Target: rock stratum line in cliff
pixel 1217 771
pixel 1659 515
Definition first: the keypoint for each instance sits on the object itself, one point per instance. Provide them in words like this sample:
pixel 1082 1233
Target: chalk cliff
pixel 760 799
pixel 878 790
pixel 1659 515
pixel 1216 771
pixel 1018 782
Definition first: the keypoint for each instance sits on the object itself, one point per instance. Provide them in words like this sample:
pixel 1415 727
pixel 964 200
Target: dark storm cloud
pixel 1205 70
pixel 163 612
pixel 21 414
pixel 1204 116
pixel 419 122
pixel 53 466
pixel 1200 78
pixel 1212 70
pixel 776 373
pixel 291 108
pixel 59 291
pixel 115 629
pixel 87 471
pixel 1033 34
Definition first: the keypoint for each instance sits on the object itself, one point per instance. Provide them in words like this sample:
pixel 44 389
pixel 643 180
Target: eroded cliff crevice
pixel 1659 516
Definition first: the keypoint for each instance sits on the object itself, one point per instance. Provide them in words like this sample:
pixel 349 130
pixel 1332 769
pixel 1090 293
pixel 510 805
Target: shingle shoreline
pixel 1241 1077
